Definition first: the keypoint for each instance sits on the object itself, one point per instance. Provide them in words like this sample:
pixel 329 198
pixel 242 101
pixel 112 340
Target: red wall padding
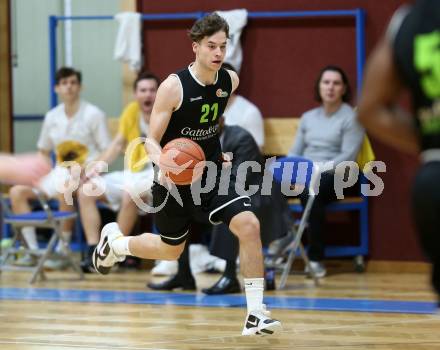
pixel 281 61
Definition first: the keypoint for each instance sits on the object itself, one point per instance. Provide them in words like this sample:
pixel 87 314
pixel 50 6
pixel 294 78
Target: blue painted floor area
pixel 201 300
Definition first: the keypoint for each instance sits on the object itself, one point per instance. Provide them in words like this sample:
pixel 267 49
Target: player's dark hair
pixel 207 26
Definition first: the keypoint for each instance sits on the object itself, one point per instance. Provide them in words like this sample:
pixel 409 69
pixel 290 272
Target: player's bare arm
pixel 168 98
pixel 235 80
pixel 377 109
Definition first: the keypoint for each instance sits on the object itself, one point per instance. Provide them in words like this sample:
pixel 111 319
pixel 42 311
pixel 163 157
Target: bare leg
pixel 90 217
pixel 68 224
pixel 127 215
pixel 20 196
pixel 150 246
pixel 247 229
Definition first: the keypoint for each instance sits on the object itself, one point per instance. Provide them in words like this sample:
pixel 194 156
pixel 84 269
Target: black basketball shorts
pixel 174 218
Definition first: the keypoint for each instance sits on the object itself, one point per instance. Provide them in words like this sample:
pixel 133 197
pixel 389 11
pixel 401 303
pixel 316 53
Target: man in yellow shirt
pixel 138 174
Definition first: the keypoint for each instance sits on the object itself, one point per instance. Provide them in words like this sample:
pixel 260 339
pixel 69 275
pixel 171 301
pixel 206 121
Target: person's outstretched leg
pixel 113 247
pixel 172 222
pixel 246 227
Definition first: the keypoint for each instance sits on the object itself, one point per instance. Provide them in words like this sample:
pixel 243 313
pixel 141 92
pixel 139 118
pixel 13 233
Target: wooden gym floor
pixel 348 311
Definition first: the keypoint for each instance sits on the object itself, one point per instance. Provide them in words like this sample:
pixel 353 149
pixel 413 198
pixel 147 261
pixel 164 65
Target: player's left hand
pixel 227 160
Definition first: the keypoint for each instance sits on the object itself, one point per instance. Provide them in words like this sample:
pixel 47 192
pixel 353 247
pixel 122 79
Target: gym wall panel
pixel 5 81
pixel 30 44
pixel 92 47
pixel 93 43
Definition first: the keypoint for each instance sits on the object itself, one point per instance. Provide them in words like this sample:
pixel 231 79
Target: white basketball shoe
pixel 103 256
pixel 259 322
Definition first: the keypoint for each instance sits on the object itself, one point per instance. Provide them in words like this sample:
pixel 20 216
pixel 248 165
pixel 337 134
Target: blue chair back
pixel 293 171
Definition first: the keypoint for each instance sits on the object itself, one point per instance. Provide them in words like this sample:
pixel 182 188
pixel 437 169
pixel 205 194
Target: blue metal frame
pixel 27 117
pixel 362 207
pixel 220 301
pixel 358 14
pixel 53 21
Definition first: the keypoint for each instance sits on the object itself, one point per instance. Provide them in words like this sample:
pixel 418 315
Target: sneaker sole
pixel 319 275
pixel 250 332
pixel 24 265
pixel 103 270
pixel 55 268
pixel 274 327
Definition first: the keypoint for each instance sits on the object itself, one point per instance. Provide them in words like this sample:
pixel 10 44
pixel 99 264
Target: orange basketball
pixel 183 161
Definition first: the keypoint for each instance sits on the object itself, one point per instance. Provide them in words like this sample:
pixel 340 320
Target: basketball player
pixel 409 57
pixel 188 103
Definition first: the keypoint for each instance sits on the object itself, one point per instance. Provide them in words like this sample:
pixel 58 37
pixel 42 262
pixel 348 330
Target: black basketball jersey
pixel 198 114
pixel 416 48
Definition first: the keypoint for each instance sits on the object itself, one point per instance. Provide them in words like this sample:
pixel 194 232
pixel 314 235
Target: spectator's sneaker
pixel 56 264
pixel 103 256
pixel 318 269
pixel 6 243
pixel 201 260
pixel 165 268
pixel 26 260
pixel 260 323
pixel 279 246
pixel 87 266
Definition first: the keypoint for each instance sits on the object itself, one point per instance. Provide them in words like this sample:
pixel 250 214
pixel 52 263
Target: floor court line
pixel 201 300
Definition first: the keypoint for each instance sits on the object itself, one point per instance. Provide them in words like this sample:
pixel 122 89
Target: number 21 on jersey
pixel 207 111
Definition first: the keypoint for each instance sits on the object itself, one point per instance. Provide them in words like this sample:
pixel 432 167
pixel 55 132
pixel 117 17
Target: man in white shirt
pixel 76 131
pixel 244 113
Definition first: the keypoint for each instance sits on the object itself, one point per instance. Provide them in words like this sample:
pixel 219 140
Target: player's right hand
pixel 227 159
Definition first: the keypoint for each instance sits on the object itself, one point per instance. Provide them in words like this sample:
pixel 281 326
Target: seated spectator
pixel 133 124
pixel 326 133
pixel 75 130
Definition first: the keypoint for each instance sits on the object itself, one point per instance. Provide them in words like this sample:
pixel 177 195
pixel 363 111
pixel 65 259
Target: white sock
pixel 30 236
pixel 120 246
pixel 67 235
pixel 254 288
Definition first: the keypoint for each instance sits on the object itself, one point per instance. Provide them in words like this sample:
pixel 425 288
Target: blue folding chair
pixel 297 173
pixel 45 218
